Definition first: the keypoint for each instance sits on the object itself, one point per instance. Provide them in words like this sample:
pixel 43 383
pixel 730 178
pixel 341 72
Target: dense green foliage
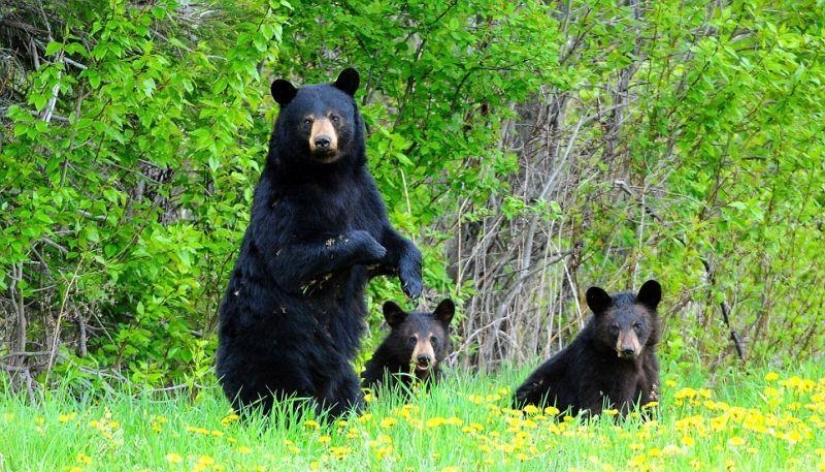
pixel 530 149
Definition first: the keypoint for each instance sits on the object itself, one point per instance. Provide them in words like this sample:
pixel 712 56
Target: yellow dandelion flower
pixel 476 399
pixel 799 384
pixel 453 421
pixel 65 418
pixel 637 461
pixel 793 437
pixel 365 418
pixel 736 441
pixel 551 411
pixel 229 418
pixel 383 452
pixel 610 412
pixel 684 392
pixel 340 452
pixel 83 458
pixel 435 422
pixel 388 422
pixel 368 397
pixel 771 376
pixel 244 450
pixel 311 424
pixel 197 430
pixel 324 439
pixel 173 458
pixel 531 409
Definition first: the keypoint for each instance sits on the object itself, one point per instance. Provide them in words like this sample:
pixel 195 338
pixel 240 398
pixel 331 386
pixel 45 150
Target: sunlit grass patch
pixel 771 421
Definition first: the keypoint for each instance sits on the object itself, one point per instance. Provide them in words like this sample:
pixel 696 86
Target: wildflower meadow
pixel 729 421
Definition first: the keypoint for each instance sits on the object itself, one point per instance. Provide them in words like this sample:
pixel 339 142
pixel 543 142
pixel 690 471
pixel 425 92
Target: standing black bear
pixel 611 363
pixel 417 344
pixel 294 310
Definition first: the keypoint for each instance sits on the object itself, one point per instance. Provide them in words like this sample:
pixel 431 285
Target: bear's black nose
pixel 627 352
pixel 423 360
pixel 322 143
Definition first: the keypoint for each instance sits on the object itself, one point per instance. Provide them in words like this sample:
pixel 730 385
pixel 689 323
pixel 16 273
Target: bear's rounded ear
pixel 445 311
pixel 598 300
pixel 650 294
pixel 348 81
pixel 394 314
pixel 282 91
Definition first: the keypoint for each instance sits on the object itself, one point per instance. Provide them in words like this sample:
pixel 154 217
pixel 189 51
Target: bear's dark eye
pixel 307 122
pixel 614 329
pixel 334 118
pixel 412 340
pixel 434 340
pixel 637 326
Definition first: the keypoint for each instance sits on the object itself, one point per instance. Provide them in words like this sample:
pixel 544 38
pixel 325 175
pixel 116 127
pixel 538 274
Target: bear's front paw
pixel 412 287
pixel 409 271
pixel 368 248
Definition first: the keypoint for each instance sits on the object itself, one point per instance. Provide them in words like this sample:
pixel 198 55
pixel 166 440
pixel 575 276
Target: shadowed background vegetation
pixel 531 149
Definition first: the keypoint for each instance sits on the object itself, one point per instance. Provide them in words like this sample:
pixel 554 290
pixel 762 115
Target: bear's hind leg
pixel 342 394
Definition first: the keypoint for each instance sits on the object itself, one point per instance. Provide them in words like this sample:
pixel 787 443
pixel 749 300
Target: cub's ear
pixel 598 300
pixel 650 294
pixel 348 81
pixel 444 311
pixel 282 91
pixel 394 314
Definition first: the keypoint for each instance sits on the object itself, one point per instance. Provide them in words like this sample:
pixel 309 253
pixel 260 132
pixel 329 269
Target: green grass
pixel 747 422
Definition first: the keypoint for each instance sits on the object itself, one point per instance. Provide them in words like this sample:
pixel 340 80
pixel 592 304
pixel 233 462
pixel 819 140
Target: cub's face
pixel 320 119
pixel 624 322
pixel 420 339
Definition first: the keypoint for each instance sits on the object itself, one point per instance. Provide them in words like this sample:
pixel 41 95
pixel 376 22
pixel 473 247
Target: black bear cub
pixel 611 364
pixel 417 344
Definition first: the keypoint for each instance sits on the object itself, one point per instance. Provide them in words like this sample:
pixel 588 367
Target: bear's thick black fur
pixel 294 310
pixel 611 364
pixel 417 344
